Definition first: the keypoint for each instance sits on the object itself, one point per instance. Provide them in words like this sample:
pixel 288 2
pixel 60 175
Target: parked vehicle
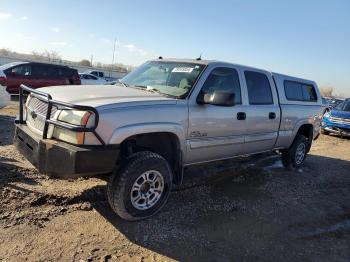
pixel 115 82
pixel 166 115
pixel 337 121
pixel 88 79
pixel 335 102
pixel 5 97
pixel 326 105
pixel 96 73
pixel 102 75
pixel 36 75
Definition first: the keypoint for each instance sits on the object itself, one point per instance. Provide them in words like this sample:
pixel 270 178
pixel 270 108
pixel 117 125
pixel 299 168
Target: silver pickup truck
pixel 165 115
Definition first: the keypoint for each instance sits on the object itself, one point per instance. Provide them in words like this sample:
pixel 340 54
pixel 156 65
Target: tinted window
pixel 67 72
pixel 293 91
pixel 41 70
pixel 24 70
pixel 299 92
pixel 259 89
pixel 344 106
pixel 223 79
pixel 92 77
pixel 309 93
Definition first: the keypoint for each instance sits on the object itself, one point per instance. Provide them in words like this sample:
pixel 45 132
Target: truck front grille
pixel 36 113
pixel 340 120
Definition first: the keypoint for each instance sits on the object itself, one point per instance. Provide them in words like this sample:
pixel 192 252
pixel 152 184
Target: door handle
pixel 241 116
pixel 272 115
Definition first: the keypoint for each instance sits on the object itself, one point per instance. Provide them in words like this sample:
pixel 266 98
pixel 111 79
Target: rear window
pixel 297 91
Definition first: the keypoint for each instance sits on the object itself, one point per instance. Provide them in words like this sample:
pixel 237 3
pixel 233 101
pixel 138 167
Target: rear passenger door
pixel 262 112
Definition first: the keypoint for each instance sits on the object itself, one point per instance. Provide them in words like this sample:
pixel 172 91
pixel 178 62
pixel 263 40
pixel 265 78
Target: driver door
pixel 216 132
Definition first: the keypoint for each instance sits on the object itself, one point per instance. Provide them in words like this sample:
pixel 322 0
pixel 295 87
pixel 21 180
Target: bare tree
pixel 85 62
pixel 327 91
pixel 5 51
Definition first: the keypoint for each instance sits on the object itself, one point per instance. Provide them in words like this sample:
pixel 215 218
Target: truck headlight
pixel 73 117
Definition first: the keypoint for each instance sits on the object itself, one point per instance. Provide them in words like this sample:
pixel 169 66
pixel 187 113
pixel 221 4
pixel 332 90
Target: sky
pixel 307 39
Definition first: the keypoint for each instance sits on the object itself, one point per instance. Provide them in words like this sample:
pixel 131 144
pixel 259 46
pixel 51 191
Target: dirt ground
pixel 247 209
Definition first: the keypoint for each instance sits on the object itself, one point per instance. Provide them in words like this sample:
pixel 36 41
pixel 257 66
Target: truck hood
pixel 340 114
pixel 103 95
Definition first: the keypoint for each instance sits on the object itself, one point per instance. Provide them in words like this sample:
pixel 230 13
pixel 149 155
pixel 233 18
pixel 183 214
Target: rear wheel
pixel 141 188
pixel 294 156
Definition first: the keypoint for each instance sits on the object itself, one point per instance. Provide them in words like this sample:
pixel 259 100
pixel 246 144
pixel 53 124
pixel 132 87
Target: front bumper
pixel 335 127
pixel 59 159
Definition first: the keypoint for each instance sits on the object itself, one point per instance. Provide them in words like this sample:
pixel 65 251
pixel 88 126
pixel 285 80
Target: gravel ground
pixel 247 209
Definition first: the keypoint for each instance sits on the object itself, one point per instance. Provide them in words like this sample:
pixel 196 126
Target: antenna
pixel 200 57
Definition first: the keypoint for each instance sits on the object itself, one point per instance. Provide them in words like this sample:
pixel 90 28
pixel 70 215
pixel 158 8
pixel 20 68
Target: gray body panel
pixel 205 132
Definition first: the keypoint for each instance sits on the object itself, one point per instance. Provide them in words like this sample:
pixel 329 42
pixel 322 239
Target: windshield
pixel 344 106
pixel 169 78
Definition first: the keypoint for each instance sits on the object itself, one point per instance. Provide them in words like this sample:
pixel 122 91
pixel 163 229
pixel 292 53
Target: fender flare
pixel 297 127
pixel 123 132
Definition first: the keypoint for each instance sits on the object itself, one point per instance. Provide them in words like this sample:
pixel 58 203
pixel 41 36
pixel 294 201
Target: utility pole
pixel 91 60
pixel 115 42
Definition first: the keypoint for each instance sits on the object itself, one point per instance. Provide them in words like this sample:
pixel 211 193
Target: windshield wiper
pixel 122 83
pixel 149 88
pixel 153 90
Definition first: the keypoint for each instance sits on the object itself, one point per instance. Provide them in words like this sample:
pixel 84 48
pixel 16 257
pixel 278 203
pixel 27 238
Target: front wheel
pixel 294 156
pixel 141 188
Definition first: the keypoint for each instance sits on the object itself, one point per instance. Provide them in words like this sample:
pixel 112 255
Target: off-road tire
pixel 289 155
pixel 121 181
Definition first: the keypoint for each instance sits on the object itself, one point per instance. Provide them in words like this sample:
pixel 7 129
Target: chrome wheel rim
pixel 147 190
pixel 300 154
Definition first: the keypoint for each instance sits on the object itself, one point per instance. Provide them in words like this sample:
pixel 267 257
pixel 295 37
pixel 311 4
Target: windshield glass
pixel 168 78
pixel 344 106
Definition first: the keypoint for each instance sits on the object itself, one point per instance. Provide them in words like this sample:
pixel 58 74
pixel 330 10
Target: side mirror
pixel 217 98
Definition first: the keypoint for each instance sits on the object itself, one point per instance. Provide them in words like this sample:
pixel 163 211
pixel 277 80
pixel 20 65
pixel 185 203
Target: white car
pixel 89 79
pixel 4 96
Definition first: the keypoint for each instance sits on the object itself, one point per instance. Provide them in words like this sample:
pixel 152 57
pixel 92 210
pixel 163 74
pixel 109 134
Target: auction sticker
pixel 182 70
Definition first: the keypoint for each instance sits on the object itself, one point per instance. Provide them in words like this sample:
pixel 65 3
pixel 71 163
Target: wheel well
pixel 307 130
pixel 165 144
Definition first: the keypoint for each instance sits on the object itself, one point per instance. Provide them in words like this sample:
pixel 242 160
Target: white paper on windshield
pixel 182 70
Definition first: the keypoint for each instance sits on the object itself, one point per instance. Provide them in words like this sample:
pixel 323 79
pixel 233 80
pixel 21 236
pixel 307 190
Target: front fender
pixel 124 132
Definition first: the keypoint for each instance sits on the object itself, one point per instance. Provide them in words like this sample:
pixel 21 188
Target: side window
pixel 259 89
pixel 23 70
pixel 309 93
pixel 41 71
pixel 223 79
pixel 296 91
pixel 293 91
pixel 67 72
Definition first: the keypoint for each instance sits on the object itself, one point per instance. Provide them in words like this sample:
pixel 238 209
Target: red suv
pixel 36 75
